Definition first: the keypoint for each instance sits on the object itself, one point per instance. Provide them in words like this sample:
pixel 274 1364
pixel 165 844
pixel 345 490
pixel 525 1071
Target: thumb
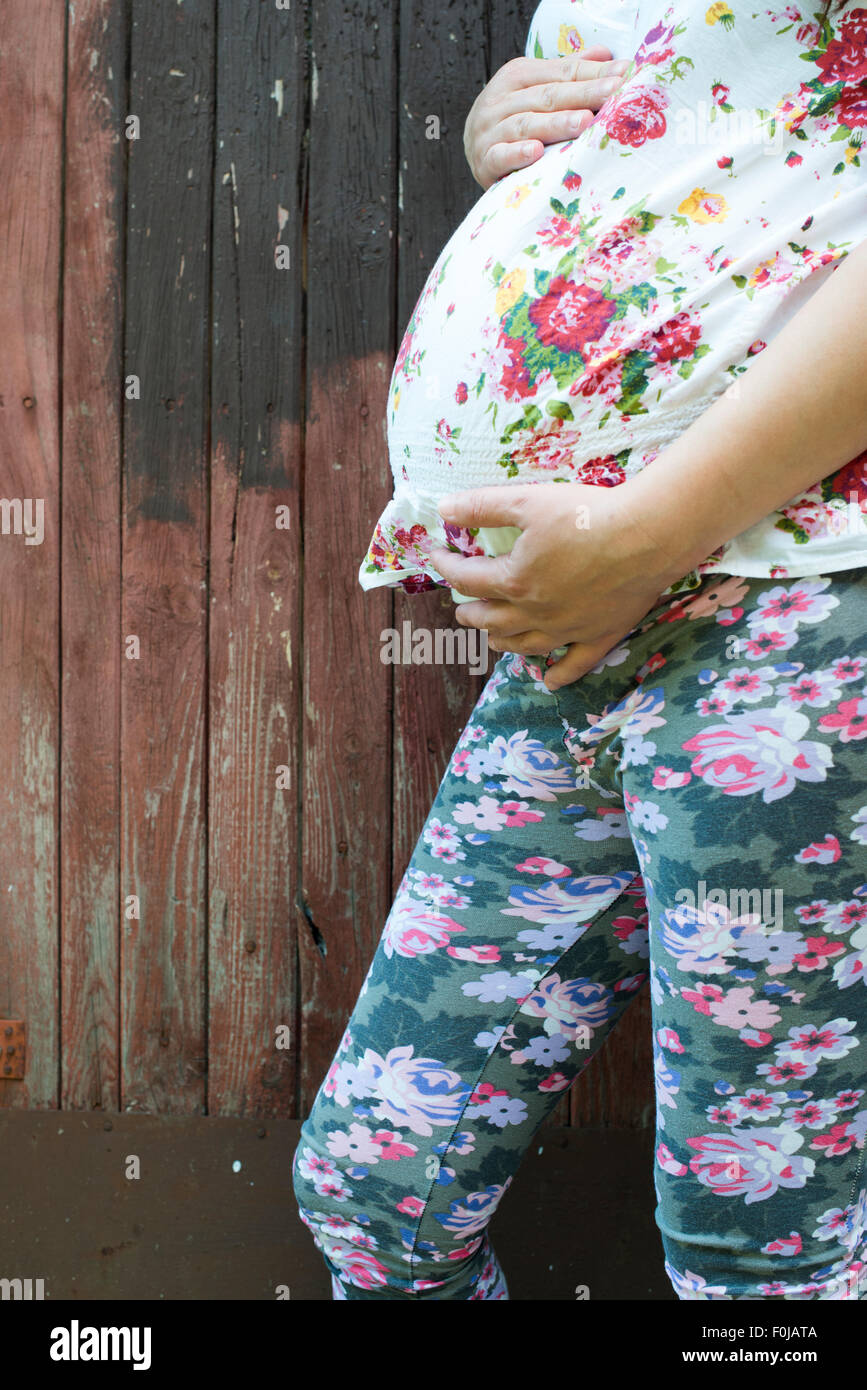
pixel 485 506
pixel 576 662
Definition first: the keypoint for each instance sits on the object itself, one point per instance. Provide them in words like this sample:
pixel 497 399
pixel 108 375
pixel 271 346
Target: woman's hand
pixel 533 102
pixel 583 573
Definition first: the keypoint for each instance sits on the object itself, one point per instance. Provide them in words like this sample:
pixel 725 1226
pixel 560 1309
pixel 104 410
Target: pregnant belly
pixel 556 339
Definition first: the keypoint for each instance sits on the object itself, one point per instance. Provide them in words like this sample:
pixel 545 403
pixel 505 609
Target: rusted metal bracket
pixel 12 1049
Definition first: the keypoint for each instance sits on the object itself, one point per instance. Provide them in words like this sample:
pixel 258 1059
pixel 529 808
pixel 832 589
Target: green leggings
pixel 693 810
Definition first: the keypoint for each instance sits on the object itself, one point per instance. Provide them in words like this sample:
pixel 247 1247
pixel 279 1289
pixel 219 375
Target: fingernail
pixel 576 120
pixel 610 83
pixel 621 65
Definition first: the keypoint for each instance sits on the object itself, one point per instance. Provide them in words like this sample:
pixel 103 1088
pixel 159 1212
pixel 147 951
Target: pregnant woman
pixel 628 429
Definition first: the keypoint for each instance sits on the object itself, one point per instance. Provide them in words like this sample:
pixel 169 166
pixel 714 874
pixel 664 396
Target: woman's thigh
pixel 515 942
pixel 746 796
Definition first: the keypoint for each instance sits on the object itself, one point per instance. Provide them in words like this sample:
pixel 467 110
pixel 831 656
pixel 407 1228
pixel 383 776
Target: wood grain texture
pixel 31 80
pixel 94 163
pixel 442 68
pixel 346 788
pixel 165 533
pixel 255 566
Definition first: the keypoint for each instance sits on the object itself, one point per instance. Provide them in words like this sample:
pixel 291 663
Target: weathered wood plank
pixel 90 580
pixel 346 789
pixel 616 1090
pixel 255 566
pixel 31 67
pixel 165 557
pixel 442 67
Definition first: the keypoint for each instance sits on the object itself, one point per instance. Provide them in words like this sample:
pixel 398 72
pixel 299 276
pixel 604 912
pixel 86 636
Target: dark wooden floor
pixel 580 1212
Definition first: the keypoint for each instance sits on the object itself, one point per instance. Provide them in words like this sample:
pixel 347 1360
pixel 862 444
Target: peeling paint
pixel 287 646
pixel 277 95
pixel 282 217
pixel 314 82
pixel 235 200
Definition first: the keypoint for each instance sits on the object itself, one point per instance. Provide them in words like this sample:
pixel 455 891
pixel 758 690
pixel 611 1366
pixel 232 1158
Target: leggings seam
pixel 484 1065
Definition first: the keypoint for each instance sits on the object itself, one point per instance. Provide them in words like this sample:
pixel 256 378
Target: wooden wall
pixel 198 329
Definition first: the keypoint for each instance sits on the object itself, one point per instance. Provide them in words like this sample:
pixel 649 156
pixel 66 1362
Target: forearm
pixel 798 413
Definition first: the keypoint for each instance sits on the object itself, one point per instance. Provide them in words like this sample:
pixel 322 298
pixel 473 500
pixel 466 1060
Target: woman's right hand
pixel 533 102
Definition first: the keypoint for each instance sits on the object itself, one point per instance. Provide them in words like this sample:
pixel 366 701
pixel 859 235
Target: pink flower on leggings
pixel 761 751
pixel 412 929
pixel 738 1009
pixel 850 720
pixel 750 1164
pixel 360 1267
pixel 784 1245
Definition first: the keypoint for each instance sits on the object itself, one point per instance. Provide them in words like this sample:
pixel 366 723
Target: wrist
pixel 662 538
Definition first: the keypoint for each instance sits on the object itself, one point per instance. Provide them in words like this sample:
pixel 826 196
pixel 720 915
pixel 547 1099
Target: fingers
pixel 506 156
pixel 574 664
pixel 480 576
pixel 486 506
pixel 550 97
pixel 501 621
pixel 547 129
pixel 528 643
pixel 522 73
pixel 562 83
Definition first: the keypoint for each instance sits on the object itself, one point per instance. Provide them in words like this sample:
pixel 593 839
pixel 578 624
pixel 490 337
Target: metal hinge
pixel 12 1050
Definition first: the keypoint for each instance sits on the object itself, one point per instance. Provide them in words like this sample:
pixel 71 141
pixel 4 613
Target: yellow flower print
pixel 790 111
pixel 766 271
pixel 511 288
pixel 851 152
pixel 702 206
pixel 569 40
pixel 396 398
pixel 517 196
pixel 721 12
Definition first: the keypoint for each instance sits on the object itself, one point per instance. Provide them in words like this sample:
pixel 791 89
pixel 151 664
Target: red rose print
pixel 678 337
pixel 515 380
pixel 600 472
pixel 638 117
pixel 845 58
pixel 852 478
pixel 851 109
pixel 570 315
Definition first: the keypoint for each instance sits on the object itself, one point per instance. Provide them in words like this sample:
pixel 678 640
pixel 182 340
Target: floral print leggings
pixel 693 810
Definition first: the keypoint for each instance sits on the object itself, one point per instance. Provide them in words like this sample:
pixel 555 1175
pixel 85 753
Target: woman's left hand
pixel 582 574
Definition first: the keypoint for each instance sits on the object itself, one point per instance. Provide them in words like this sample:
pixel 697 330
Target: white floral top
pixel 593 305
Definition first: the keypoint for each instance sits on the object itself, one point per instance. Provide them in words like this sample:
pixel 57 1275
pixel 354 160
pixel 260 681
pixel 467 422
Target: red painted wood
pixel 164 692
pixel 346 788
pixel 90 580
pixel 255 567
pixel 31 71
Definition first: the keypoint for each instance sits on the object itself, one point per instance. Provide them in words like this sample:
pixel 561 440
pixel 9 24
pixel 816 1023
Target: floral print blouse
pixel 591 306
